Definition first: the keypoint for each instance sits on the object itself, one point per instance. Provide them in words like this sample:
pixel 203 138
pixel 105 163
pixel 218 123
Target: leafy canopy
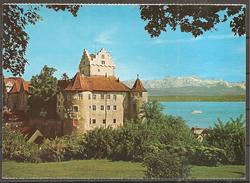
pixel 43 91
pixel 229 136
pixel 195 19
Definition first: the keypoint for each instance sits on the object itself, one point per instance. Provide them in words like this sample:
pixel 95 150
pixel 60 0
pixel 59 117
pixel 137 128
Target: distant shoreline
pixel 225 98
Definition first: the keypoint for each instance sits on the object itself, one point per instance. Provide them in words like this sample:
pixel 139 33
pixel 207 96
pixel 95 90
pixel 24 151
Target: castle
pixel 94 97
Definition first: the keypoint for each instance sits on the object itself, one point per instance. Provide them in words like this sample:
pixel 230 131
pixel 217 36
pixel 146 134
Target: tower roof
pixel 77 84
pixel 138 86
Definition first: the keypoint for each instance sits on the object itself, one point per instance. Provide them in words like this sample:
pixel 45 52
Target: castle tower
pixel 99 64
pixel 138 96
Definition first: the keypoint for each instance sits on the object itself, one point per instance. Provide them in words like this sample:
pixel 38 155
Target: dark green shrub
pixel 229 136
pixel 99 142
pixel 53 150
pixel 15 147
pixel 207 156
pixel 63 149
pixel 75 147
pixel 165 164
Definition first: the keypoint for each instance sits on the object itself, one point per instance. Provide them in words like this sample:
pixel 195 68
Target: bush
pixel 166 164
pixel 207 156
pixel 63 149
pixel 229 136
pixel 99 142
pixel 15 147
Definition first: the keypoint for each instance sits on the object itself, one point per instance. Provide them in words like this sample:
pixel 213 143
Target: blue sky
pixel 59 39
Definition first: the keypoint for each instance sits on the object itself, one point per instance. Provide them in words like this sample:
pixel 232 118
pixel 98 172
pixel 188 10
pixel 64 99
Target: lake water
pixel 210 111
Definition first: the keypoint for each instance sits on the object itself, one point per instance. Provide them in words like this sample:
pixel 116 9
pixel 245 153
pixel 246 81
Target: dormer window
pixel 103 62
pixel 103 56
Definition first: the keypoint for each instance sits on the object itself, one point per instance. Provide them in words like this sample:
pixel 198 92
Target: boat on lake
pixel 196 112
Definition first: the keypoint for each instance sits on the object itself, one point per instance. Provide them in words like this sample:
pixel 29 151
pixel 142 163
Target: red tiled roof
pixel 18 84
pixel 63 84
pixel 78 83
pixel 138 86
pixel 96 83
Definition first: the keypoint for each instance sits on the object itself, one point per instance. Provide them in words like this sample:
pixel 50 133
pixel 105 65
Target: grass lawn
pixel 104 169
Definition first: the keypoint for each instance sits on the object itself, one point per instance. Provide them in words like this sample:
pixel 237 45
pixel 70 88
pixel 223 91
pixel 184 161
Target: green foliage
pixel 229 136
pixel 166 164
pixel 99 142
pixel 43 90
pixel 207 156
pixel 134 140
pixel 62 149
pixel 152 110
pixel 193 19
pixel 16 148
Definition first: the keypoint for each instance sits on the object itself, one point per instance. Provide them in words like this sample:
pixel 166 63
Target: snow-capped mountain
pixel 191 85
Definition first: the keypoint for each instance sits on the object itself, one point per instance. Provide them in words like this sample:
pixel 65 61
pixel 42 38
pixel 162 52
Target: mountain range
pixel 191 85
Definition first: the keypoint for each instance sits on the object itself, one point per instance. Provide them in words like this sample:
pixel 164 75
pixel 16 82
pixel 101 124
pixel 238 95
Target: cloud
pixel 175 41
pixel 106 36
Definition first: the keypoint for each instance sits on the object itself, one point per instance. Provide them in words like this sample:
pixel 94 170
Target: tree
pixel 229 136
pixel 15 39
pixel 43 93
pixel 152 110
pixel 195 19
pixel 65 77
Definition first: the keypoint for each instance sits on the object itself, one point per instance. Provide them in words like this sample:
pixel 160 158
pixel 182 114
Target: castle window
pixel 114 97
pixel 58 110
pixel 90 106
pixel 98 70
pixel 80 96
pixel 103 56
pixel 108 107
pixel 93 121
pixel 89 120
pixel 102 107
pixel 102 96
pixel 58 103
pixel 114 120
pixel 103 62
pixel 104 121
pixel 108 96
pixel 140 94
pixel 75 108
pixel 89 96
pixel 94 96
pixel 114 107
pixel 94 107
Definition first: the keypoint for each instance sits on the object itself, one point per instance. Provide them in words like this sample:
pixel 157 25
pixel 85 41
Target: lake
pixel 206 112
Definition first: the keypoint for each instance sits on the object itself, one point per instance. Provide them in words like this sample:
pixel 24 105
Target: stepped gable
pixel 78 83
pixel 138 86
pixel 18 84
pixel 96 83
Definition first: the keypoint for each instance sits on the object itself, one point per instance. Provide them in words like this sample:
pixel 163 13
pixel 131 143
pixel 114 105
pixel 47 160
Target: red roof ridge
pixel 96 83
pixel 77 83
